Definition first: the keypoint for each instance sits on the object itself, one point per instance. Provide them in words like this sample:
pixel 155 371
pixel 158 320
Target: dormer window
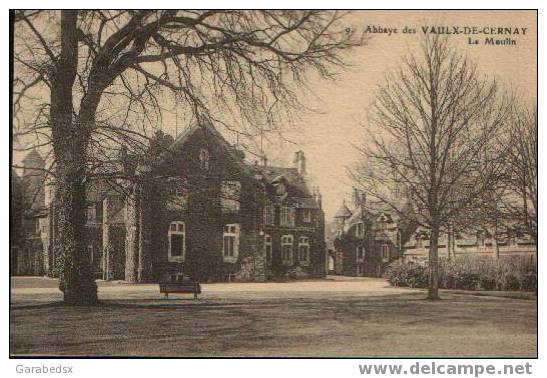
pixel 269 215
pixel 306 217
pixel 230 193
pixel 204 159
pixel 178 192
pixel 360 230
pixel 287 216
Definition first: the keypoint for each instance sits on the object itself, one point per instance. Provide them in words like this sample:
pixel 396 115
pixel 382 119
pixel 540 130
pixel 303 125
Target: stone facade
pixel 368 238
pixel 29 239
pixel 478 244
pixel 199 209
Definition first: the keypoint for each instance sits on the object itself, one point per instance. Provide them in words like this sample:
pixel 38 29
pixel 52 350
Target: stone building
pixel 29 217
pixel 368 237
pixel 477 244
pixel 196 207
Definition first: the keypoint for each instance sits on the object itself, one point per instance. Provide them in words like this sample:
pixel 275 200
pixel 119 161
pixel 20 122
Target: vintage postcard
pixel 274 183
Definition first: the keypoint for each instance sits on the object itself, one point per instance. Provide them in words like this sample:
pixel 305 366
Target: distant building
pixel 368 238
pixel 29 217
pixel 201 210
pixel 477 244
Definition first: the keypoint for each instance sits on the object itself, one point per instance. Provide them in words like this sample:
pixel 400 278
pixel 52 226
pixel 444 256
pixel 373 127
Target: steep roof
pixel 297 184
pixel 183 137
pixel 343 211
pixel 297 187
pixel 33 156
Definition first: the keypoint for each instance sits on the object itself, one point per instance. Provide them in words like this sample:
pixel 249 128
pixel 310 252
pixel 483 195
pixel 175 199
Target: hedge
pixel 468 273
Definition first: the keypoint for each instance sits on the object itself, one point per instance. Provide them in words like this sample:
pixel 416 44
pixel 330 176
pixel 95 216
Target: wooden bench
pixel 180 287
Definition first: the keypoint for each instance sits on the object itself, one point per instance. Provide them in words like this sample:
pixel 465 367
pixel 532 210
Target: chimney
pixel 359 198
pixel 319 200
pixel 300 162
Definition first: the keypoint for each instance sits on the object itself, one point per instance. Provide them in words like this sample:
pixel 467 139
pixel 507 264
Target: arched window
pixel 177 241
pixel 204 159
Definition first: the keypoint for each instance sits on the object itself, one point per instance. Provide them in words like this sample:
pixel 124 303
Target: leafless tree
pixel 523 161
pixel 433 132
pixel 87 81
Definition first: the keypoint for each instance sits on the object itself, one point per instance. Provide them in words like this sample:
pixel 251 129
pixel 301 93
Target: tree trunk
pixel 495 243
pixel 76 279
pixel 449 242
pixel 132 236
pixel 69 144
pixel 433 292
pixel 145 254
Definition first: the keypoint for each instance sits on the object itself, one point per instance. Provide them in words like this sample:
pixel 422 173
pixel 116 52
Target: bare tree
pixel 523 160
pixel 104 76
pixel 433 130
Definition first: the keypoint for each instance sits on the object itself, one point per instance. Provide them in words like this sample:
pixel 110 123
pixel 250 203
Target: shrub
pixel 468 273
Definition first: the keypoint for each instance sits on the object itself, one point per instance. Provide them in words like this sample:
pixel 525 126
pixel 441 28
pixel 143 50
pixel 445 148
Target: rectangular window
pixel 229 196
pixel 360 230
pixel 287 216
pixel 306 216
pixel 360 252
pixel 91 213
pixel 230 242
pixel 304 250
pixel 269 215
pixel 385 252
pixel 177 241
pixel 90 253
pixel 286 249
pixel 177 244
pixel 268 248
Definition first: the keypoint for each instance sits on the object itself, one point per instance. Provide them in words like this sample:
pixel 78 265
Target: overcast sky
pixel 327 137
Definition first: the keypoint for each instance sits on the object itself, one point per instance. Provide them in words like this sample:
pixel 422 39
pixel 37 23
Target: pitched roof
pixel 298 187
pixel 33 156
pixel 343 211
pixel 183 137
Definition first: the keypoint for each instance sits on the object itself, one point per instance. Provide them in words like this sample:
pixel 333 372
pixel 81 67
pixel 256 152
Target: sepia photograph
pixel 273 184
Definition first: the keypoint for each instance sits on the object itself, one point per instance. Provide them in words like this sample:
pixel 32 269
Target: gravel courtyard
pixel 339 317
